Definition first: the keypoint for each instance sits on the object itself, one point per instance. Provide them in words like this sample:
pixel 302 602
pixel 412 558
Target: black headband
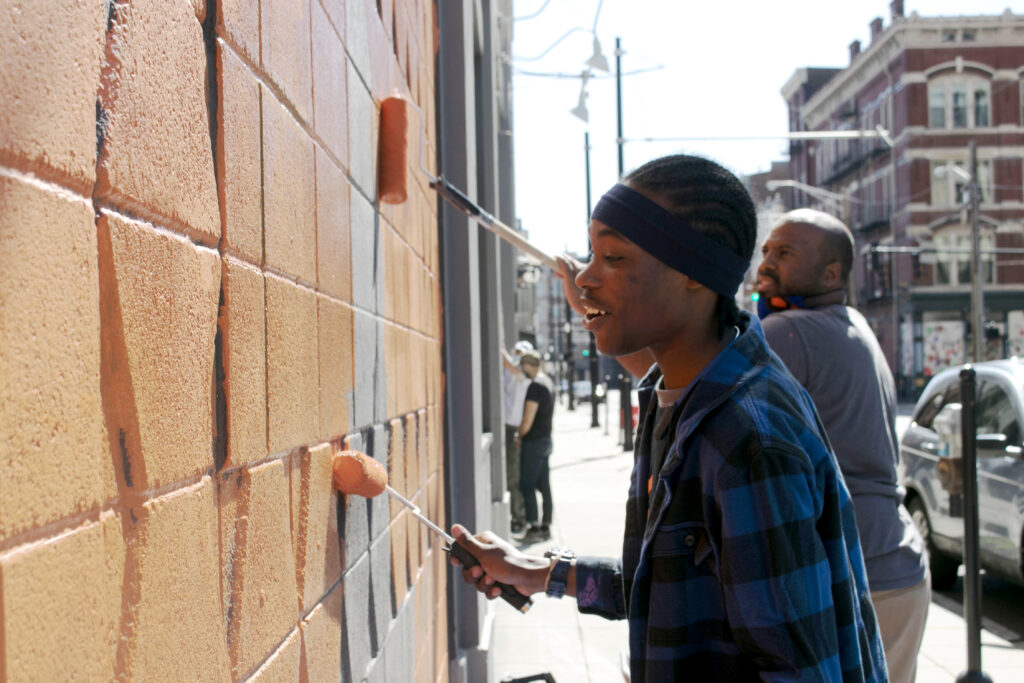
pixel 671 240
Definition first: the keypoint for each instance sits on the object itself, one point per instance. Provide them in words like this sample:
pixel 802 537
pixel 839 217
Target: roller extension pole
pixel 356 473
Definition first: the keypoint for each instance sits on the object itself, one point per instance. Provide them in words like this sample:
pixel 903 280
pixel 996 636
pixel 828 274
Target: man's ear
pixel 831 277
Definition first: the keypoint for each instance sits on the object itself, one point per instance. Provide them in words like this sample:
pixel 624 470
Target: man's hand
pixel 568 269
pixel 500 562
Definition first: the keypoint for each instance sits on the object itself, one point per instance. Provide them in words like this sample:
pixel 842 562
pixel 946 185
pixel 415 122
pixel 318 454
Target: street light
pixel 580 110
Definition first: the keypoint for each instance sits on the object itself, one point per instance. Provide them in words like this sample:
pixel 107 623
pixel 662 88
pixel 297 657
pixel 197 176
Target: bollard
pixel 972 578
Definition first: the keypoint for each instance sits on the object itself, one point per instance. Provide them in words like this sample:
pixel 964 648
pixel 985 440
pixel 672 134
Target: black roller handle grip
pixel 509 594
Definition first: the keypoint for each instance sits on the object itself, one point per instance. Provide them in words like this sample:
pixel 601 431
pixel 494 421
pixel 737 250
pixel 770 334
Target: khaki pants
pixel 901 614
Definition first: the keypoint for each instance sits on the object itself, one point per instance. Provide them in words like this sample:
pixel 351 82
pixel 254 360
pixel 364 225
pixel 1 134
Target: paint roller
pixel 356 473
pixel 392 180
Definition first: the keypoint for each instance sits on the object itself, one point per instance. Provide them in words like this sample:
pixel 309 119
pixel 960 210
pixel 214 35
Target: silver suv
pixel 930 470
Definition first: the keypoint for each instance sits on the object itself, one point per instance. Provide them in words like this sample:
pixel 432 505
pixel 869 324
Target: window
pixel 958 102
pixel 937 106
pixel 953 257
pixel 980 107
pixel 949 186
pixel 950 393
pixel 959 106
pixel 995 414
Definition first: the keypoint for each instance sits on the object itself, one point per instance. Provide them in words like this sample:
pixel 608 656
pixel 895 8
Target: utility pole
pixel 592 356
pixel 569 370
pixel 977 296
pixel 626 386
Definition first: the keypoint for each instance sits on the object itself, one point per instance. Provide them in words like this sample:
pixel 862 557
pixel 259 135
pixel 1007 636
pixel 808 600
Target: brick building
pixel 934 83
pixel 202 300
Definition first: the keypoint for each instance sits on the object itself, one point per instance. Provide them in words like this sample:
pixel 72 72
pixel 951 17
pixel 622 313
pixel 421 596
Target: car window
pixel 995 413
pixel 927 413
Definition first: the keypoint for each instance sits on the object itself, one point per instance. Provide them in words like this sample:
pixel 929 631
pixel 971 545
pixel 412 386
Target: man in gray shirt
pixel 833 353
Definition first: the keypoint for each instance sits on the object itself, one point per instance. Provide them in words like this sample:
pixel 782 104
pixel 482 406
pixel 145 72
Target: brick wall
pixel 200 302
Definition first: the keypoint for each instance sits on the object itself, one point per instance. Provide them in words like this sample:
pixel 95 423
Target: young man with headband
pixel 741 558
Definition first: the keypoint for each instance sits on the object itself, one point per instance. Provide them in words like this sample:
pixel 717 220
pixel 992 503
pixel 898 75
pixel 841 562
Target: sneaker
pixel 537 533
pixel 517 527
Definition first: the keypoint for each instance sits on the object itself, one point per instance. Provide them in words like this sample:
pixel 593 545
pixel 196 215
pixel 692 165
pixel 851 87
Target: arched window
pixel 959 101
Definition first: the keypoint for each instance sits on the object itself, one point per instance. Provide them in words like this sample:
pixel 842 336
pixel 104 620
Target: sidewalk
pixel 589 482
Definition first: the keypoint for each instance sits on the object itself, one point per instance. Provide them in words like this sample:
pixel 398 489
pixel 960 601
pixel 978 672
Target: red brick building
pixel 934 83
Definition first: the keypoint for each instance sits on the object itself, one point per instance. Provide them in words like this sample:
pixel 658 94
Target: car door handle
pixel 928 446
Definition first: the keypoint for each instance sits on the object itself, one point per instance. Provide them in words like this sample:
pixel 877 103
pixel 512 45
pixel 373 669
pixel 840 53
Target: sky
pixel 722 66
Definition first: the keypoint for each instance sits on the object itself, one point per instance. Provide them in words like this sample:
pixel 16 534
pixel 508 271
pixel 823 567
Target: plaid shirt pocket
pixel 686 597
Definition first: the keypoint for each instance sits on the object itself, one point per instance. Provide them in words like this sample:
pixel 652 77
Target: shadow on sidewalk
pixel 1002 607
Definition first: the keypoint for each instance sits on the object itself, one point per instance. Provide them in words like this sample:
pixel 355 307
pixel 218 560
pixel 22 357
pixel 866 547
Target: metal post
pixel 972 577
pixel 626 386
pixel 977 297
pixel 607 400
pixel 618 104
pixel 592 356
pixel 569 361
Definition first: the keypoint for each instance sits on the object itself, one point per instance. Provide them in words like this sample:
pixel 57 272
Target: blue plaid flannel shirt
pixel 743 562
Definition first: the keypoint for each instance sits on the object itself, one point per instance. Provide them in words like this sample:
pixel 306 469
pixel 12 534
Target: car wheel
pixel 943 568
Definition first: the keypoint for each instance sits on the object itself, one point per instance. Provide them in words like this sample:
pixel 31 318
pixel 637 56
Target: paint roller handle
pixel 508 593
pixel 471 209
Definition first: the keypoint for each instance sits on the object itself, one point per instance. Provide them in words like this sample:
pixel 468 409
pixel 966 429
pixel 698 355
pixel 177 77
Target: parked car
pixel 929 470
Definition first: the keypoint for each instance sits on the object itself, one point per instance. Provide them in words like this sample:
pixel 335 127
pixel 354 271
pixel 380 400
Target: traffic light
pixel 755 297
pixel 586 353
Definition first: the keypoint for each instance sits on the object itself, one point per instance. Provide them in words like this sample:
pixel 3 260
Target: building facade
pixel 932 84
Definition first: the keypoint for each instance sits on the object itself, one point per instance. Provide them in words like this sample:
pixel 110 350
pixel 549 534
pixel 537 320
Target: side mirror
pixel 992 442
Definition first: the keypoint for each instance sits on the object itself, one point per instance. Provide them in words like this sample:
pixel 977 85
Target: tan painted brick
pixel 285 39
pixel 330 86
pixel 421 445
pixel 333 229
pixel 156 151
pixel 412 462
pixel 160 295
pixel 289 184
pixel 400 557
pixel 242 323
pixel 293 411
pixel 238 156
pixel 239 20
pixel 336 371
pixel 48 108
pixel 423 629
pixel 53 444
pixel 396 467
pixel 321 635
pixel 412 536
pixel 257 562
pixel 178 589
pixel 284 664
pixel 314 511
pixel 393 378
pixel 63 595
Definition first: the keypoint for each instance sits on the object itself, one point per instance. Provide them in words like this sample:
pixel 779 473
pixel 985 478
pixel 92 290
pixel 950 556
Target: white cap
pixel 523 346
